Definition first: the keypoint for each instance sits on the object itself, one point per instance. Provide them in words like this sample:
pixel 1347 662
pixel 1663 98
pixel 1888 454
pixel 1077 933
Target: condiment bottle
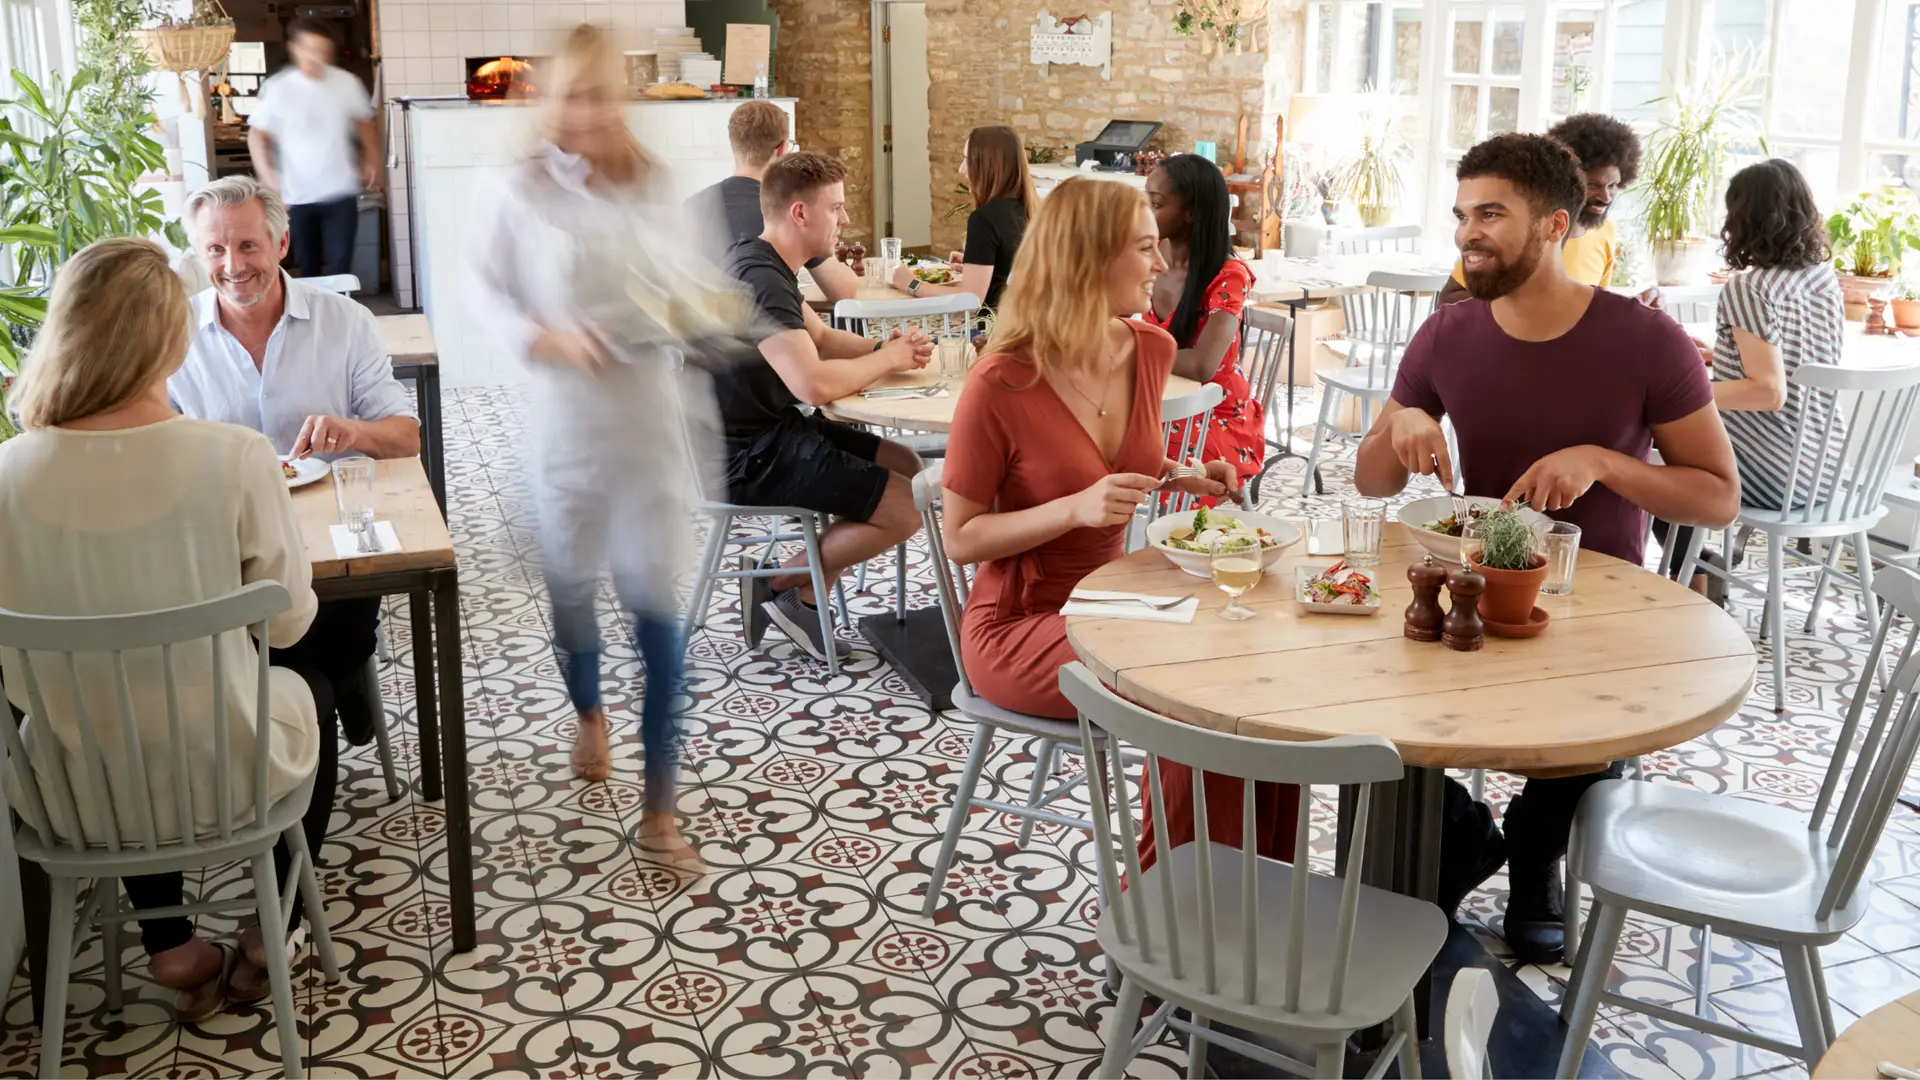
pixel 857 257
pixel 1462 629
pixel 1424 614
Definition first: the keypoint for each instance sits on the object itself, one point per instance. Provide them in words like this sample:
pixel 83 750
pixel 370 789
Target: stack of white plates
pixel 674 43
pixel 700 72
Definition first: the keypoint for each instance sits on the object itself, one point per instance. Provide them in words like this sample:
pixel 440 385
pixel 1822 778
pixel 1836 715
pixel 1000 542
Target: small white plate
pixel 306 471
pixel 1308 573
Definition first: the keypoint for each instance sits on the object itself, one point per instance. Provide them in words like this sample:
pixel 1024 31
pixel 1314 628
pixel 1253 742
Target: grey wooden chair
pixel 1230 936
pixel 1852 424
pixel 1265 331
pixel 1371 240
pixel 108 778
pixel 1184 423
pixel 1760 873
pixel 1380 322
pixel 988 719
pixel 1472 1005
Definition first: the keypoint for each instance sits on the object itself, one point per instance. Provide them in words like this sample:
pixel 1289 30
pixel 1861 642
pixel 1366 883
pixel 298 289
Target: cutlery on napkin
pixel 346 543
pixel 1101 604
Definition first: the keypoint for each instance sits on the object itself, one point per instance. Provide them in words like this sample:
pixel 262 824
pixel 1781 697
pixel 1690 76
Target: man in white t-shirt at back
pixel 313 139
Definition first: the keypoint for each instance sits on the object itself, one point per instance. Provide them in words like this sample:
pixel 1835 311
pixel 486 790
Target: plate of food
pixel 934 275
pixel 303 471
pixel 1337 589
pixel 1187 537
pixel 1435 522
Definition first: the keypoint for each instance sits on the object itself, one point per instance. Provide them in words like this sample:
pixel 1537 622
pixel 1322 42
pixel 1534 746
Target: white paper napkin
pixel 345 546
pixel 1179 613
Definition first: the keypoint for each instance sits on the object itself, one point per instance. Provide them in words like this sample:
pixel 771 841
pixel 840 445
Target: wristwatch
pixel 913 287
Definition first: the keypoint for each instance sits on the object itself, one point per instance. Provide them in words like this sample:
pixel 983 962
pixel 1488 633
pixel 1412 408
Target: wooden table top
pixel 1632 663
pixel 1889 1033
pixel 409 339
pixel 935 413
pixel 400 495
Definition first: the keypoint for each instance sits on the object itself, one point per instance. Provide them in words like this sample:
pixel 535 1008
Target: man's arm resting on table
pixel 394 437
pixel 817 381
pixel 832 344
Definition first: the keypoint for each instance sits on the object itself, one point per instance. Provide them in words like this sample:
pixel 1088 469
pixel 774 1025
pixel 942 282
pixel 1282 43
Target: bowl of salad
pixel 1187 538
pixel 1435 522
pixel 1338 589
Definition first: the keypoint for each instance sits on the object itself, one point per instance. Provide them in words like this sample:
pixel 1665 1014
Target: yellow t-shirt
pixel 1589 256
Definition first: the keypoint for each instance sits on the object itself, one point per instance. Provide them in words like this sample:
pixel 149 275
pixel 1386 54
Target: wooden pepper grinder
pixel 1424 614
pixel 1462 629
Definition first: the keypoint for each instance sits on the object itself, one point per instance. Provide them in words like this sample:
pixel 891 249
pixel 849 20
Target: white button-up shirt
pixel 326 357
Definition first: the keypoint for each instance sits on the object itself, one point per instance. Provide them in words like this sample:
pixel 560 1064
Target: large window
pixel 1357 45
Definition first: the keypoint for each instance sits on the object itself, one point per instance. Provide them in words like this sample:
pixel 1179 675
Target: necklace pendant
pixel 1103 412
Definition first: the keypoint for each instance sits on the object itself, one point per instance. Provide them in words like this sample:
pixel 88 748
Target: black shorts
pixel 811 462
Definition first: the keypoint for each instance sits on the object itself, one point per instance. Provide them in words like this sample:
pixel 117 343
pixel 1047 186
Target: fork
pixel 1151 605
pixel 1195 472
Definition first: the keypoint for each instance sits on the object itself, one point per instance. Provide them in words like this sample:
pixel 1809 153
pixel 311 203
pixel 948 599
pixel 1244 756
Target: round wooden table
pixel 934 413
pixel 1889 1033
pixel 1631 663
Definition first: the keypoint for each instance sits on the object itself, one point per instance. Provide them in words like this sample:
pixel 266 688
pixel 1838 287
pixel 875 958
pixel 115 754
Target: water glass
pixel 1561 546
pixel 890 254
pixel 951 351
pixel 1473 543
pixel 1235 564
pixel 353 491
pixel 1364 522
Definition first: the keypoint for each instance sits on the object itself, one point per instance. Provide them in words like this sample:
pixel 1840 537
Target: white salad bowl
pixel 1196 562
pixel 1420 515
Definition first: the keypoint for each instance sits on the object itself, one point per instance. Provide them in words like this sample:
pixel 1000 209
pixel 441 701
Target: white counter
pixel 459 146
pixel 1048 177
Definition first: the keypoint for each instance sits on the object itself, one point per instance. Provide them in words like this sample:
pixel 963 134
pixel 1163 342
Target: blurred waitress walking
pixel 555 252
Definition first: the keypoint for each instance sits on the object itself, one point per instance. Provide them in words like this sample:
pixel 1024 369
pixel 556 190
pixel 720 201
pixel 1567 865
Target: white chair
pixel 988 719
pixel 1184 423
pixel 109 777
pixel 1472 1005
pixel 344 284
pixel 1757 872
pixel 1380 321
pixel 1373 240
pixel 382 737
pixel 1264 333
pixel 805 528
pixel 1691 303
pixel 1852 422
pixel 1230 936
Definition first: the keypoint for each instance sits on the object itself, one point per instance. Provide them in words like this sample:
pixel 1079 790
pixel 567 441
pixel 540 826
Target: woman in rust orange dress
pixel 1054 445
pixel 1199 300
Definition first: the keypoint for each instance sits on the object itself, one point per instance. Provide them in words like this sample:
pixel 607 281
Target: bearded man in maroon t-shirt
pixel 1557 392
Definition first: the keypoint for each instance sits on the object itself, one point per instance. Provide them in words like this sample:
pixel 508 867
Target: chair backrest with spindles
pixel 1263 338
pixel 108 776
pixel 1183 427
pixel 1848 438
pixel 1147 915
pixel 1372 240
pixel 1874 777
pixel 950 313
pixel 1381 320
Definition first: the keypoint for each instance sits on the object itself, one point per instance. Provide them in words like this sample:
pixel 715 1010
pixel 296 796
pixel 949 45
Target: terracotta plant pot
pixel 1511 594
pixel 1906 314
pixel 1855 289
pixel 1682 263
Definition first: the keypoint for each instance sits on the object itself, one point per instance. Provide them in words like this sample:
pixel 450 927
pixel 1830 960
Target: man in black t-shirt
pixel 730 209
pixel 779 456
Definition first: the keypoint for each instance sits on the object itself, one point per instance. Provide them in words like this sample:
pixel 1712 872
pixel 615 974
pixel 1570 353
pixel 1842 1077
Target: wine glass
pixel 1473 544
pixel 1235 565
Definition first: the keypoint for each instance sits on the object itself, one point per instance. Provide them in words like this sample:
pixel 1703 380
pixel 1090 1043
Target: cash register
pixel 1117 143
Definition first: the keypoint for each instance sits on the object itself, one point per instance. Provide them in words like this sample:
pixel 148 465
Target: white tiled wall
pixel 424 45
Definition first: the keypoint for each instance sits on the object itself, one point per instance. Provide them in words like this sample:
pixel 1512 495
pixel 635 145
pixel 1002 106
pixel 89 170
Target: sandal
pixel 249 982
pixel 197 1003
pixel 668 846
pixel 592 757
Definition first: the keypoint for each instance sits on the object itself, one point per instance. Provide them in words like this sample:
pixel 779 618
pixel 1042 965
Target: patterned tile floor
pixel 818 802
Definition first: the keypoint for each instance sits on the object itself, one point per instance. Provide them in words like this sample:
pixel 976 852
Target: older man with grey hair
pixel 303 366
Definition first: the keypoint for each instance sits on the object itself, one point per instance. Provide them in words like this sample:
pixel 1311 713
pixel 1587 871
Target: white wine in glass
pixel 1235 564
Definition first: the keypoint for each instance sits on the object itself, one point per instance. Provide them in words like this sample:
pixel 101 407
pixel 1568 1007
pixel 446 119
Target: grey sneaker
pixel 755 594
pixel 800 622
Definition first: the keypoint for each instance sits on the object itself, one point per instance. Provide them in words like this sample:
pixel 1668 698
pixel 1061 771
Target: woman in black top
pixel 994 165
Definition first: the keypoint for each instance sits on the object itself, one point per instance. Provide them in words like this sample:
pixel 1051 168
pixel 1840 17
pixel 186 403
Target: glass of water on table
pixel 890 255
pixel 1561 547
pixel 353 490
pixel 1235 564
pixel 1364 521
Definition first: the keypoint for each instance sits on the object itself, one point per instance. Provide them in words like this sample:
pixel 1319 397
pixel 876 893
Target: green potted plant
pixel 1870 236
pixel 1508 559
pixel 1687 158
pixel 1906 306
pixel 1371 177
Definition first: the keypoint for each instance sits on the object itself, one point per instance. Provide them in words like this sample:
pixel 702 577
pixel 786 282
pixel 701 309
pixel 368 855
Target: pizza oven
pixel 496 77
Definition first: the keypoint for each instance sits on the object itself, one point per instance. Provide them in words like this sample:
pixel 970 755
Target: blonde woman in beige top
pixel 112 503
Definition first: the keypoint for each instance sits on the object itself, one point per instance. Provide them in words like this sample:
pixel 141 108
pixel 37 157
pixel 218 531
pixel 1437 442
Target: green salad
pixel 1209 527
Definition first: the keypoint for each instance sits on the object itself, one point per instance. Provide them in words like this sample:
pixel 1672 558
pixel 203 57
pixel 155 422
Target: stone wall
pixel 977 57
pixel 826 60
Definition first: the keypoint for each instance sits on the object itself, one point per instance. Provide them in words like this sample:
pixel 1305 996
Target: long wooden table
pixel 415 356
pixel 1630 664
pixel 426 572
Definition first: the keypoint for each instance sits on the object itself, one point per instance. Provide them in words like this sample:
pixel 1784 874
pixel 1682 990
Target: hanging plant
pixel 1222 20
pixel 197 43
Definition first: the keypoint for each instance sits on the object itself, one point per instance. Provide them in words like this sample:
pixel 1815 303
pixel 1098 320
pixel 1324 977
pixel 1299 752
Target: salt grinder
pixel 1424 614
pixel 1462 630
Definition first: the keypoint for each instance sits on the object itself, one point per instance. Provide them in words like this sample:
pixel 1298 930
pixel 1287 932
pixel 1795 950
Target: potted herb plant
pixel 1513 568
pixel 1906 306
pixel 1686 163
pixel 1870 236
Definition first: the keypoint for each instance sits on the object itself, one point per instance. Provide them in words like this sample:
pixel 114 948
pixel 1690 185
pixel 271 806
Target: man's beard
pixel 227 293
pixel 1591 218
pixel 1505 276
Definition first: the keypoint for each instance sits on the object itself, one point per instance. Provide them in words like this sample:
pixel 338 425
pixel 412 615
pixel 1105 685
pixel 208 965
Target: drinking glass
pixel 1561 546
pixel 1363 521
pixel 951 350
pixel 890 254
pixel 1473 544
pixel 1235 564
pixel 353 490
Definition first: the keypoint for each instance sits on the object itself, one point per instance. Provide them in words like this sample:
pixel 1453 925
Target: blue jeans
pixel 577 641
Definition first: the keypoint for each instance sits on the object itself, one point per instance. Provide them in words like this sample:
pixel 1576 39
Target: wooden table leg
pixel 453 735
pixel 426 717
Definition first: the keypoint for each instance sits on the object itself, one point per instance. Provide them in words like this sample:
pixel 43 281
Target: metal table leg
pixel 453 737
pixel 426 717
pixel 432 436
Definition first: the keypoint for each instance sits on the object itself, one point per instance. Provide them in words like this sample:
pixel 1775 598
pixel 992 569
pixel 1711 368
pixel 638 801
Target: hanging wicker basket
pixel 181 49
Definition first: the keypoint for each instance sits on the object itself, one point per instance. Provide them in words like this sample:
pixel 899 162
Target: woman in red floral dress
pixel 1199 300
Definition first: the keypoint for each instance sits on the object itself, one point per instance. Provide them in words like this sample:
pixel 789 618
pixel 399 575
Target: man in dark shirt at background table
pixel 1557 391
pixel 730 209
pixel 777 455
